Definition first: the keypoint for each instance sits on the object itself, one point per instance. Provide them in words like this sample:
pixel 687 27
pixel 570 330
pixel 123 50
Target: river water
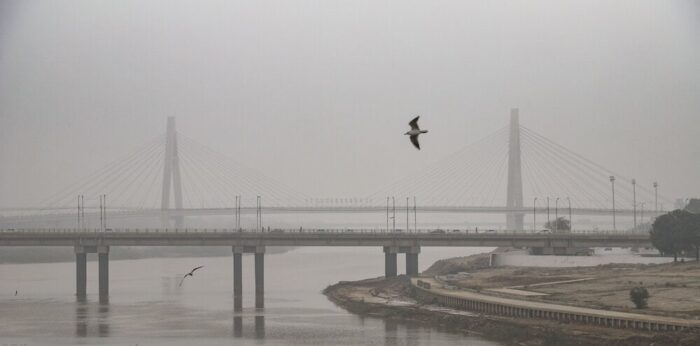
pixel 147 306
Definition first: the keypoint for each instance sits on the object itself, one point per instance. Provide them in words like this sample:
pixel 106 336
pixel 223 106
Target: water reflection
pixel 103 318
pixel 258 322
pixel 81 309
pixel 84 317
pixel 390 332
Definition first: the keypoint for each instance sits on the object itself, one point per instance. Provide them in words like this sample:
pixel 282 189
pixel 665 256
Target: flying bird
pixel 191 273
pixel 415 131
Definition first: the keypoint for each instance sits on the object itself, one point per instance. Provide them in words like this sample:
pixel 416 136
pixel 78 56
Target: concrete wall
pixel 491 308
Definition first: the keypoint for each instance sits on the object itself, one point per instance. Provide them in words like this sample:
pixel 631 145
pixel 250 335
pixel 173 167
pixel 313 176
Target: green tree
pixel 675 232
pixel 559 224
pixel 639 296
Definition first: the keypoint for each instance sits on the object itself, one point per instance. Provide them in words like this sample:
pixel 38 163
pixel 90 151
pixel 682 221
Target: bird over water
pixel 415 131
pixel 191 273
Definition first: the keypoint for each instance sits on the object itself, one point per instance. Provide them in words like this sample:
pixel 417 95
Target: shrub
pixel 639 296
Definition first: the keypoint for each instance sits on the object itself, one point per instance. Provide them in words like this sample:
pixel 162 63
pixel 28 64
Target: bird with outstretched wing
pixel 415 131
pixel 191 273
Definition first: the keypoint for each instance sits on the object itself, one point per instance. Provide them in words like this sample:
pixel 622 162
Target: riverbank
pixel 394 299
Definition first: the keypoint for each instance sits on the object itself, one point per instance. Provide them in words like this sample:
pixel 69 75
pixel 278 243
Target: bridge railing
pixel 425 231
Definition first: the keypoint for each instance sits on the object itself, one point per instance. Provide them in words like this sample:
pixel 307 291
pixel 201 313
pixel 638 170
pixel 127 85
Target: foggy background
pixel 318 94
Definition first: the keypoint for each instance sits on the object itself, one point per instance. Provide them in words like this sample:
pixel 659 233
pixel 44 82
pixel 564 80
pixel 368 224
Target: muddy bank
pixel 393 299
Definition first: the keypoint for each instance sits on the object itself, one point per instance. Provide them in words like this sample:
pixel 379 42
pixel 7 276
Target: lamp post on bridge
pixel 534 214
pixel 556 215
pixel 634 201
pixel 407 227
pixel 571 223
pixel 393 217
pixel 548 220
pixel 656 198
pixel 387 213
pixel 415 215
pixel 612 182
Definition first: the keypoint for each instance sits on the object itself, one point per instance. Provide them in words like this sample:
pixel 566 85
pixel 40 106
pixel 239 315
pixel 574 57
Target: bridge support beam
pixel 412 260
pixel 390 266
pixel 238 252
pixel 260 277
pixel 237 279
pixel 80 272
pixel 103 264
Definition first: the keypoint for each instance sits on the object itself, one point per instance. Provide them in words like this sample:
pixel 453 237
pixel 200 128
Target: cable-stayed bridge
pixel 514 171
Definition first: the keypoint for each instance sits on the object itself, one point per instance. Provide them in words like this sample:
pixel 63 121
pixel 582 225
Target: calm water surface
pixel 146 306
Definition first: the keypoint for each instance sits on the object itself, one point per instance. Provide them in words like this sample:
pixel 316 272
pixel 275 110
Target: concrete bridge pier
pixel 259 277
pixel 103 265
pixel 390 266
pixel 237 279
pixel 238 252
pixel 412 260
pixel 80 271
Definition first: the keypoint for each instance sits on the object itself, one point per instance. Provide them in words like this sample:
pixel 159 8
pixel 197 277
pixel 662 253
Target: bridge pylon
pixel 171 177
pixel 514 198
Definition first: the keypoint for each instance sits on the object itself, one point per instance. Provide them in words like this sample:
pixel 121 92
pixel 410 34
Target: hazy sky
pixel 318 94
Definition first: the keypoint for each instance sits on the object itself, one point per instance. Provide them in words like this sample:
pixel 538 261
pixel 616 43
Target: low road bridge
pixel 248 241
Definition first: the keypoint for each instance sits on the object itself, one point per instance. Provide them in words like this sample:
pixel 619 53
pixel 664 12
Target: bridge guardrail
pixel 436 232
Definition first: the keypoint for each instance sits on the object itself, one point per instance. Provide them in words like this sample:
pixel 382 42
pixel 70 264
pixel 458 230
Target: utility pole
pixel 549 222
pixel 612 182
pixel 634 201
pixel 534 214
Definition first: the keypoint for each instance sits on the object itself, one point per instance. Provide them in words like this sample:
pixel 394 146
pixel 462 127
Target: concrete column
pixel 237 278
pixel 260 277
pixel 80 271
pixel 103 264
pixel 390 269
pixel 412 261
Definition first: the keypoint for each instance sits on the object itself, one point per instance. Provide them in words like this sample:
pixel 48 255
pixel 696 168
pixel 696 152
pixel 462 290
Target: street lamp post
pixel 387 213
pixel 549 224
pixel 556 215
pixel 393 216
pixel 656 198
pixel 612 182
pixel 571 221
pixel 634 201
pixel 534 214
pixel 642 215
pixel 407 226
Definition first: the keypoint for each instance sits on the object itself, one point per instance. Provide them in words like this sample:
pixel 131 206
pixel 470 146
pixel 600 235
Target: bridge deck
pixel 192 237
